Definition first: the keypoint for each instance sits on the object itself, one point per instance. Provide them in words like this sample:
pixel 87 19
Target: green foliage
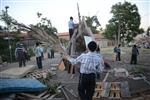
pixel 4 49
pixel 5 52
pixel 31 52
pixel 5 17
pixel 8 20
pixel 93 23
pixel 49 75
pixel 111 31
pixel 127 17
pixel 46 24
pixel 52 88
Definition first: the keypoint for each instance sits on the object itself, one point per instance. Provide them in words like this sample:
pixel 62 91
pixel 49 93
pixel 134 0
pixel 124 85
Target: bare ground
pixel 64 77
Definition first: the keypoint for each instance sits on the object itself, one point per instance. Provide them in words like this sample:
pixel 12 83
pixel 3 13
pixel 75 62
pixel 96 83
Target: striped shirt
pixel 91 62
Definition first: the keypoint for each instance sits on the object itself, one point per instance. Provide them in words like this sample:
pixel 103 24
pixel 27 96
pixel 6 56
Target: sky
pixel 59 11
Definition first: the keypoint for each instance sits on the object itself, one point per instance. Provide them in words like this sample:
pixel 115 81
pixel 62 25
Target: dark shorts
pixel 71 32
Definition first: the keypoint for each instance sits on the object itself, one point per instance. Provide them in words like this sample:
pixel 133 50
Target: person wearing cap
pixel 90 64
pixel 71 27
pixel 20 54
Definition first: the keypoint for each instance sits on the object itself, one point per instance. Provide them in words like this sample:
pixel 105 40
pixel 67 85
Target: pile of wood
pixel 113 90
pixel 39 74
pixel 77 43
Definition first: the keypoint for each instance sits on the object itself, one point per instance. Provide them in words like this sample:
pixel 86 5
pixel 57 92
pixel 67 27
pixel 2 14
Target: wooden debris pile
pixel 39 74
pixel 113 90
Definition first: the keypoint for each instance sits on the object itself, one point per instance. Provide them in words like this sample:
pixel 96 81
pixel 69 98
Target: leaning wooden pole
pixel 79 16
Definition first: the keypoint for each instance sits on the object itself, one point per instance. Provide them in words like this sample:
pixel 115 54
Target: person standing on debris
pixel 135 53
pixel 20 54
pixel 118 53
pixel 38 54
pixel 90 63
pixel 71 27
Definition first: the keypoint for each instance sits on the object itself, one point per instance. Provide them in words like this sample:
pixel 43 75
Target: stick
pixel 65 94
pixel 104 80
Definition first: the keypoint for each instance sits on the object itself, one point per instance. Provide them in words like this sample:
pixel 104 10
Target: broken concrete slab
pixel 17 72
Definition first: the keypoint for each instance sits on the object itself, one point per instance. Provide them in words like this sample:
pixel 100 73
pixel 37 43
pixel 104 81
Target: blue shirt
pixel 71 24
pixel 38 52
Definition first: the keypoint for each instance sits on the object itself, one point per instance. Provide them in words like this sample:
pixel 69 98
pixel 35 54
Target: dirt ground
pixel 71 83
pixel 142 67
pixel 143 62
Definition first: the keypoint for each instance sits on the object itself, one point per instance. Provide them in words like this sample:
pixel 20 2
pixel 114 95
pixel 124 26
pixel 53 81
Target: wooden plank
pixel 70 91
pixel 104 80
pixel 115 86
pixel 99 86
pixel 46 96
pixel 106 90
pixel 71 69
pixel 56 99
pixel 52 97
pixel 29 96
pixel 115 90
pixel 65 94
pixel 42 94
pixel 96 95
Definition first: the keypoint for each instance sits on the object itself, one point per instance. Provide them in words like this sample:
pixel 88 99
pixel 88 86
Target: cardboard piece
pixel 61 66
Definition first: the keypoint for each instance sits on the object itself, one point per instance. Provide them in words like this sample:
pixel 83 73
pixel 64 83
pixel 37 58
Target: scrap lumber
pixel 64 93
pixel 26 95
pixel 106 89
pixel 39 74
pixel 112 90
pixel 71 92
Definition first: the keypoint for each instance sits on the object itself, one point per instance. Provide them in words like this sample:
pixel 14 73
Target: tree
pixel 7 42
pixel 7 19
pixel 46 24
pixel 141 30
pixel 93 23
pixel 111 31
pixel 126 19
